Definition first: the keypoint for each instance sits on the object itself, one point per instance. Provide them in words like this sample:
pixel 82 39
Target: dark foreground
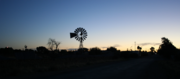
pixel 138 68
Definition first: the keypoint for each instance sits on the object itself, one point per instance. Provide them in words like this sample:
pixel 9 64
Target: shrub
pixel 112 49
pixel 95 51
pixel 82 50
pixel 63 52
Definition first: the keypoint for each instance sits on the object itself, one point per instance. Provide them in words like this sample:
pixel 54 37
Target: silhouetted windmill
pixel 80 34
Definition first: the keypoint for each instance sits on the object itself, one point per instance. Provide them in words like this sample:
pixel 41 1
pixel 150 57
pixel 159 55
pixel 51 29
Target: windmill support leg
pixel 81 45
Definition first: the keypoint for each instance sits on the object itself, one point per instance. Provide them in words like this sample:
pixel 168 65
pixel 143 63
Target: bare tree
pixel 51 43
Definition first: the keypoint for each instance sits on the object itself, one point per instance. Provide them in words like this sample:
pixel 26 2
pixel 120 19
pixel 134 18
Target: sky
pixel 118 23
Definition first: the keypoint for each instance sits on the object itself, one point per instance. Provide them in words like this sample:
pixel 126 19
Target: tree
pixel 42 49
pixel 167 48
pixel 51 43
pixel 95 51
pixel 152 49
pixel 112 49
pixel 83 50
pixel 139 48
pixel 25 47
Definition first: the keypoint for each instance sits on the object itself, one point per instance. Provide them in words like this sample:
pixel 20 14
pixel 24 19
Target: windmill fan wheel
pixel 81 34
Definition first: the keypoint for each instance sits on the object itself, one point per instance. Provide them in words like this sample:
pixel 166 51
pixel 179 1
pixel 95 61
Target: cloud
pixel 104 47
pixel 116 45
pixel 144 44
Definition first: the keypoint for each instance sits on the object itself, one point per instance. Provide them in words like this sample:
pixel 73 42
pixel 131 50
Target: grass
pixel 171 68
pixel 31 66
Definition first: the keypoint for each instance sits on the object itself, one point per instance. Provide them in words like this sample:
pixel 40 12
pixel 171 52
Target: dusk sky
pixel 118 23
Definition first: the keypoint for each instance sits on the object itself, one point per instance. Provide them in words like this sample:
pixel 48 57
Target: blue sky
pixel 108 22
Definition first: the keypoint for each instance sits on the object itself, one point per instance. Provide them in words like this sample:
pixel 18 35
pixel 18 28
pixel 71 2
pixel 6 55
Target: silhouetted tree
pixel 63 51
pixel 17 50
pixel 167 48
pixel 83 50
pixel 139 48
pixel 42 49
pixel 51 44
pixel 112 49
pixel 152 49
pixel 7 51
pixel 25 47
pixel 95 51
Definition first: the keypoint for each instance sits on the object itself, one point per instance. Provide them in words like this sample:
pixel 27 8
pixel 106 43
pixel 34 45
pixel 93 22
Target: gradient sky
pixel 118 23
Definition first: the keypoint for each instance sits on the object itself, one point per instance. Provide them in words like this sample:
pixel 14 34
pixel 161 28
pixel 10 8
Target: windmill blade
pixel 80 29
pixel 84 30
pixel 84 38
pixel 76 38
pixel 76 31
pixel 72 35
pixel 85 35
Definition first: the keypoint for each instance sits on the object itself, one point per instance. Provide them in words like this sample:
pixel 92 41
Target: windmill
pixel 80 35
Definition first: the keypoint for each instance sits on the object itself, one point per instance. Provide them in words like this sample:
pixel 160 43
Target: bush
pixel 63 52
pixel 112 49
pixel 95 51
pixel 42 50
pixel 81 51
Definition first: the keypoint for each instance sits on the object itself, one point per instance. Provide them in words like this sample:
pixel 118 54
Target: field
pixel 171 68
pixel 32 66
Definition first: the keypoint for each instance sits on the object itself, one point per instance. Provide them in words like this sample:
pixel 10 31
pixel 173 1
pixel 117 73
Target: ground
pixel 137 68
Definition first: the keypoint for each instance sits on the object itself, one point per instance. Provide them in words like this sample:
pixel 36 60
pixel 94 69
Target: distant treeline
pixel 43 52
pixel 166 49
